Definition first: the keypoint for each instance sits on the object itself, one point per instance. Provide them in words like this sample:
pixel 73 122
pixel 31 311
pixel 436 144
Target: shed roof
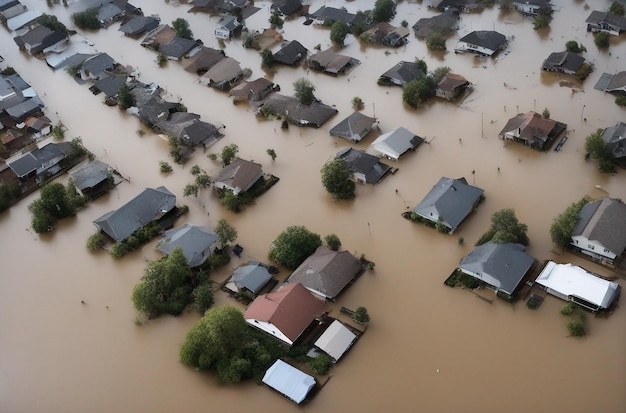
pixel 289 381
pixel 393 144
pixel 252 276
pixel 90 175
pixel 336 340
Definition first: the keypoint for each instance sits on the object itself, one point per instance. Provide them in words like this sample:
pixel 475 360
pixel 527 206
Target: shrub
pixel 165 167
pixel 321 364
pixel 436 41
pixel 602 40
pixel 357 103
pixel 96 241
pixel 333 242
pixel 203 297
pixel 546 113
pixel 161 60
pixel 574 47
pixel 276 21
pixel 617 8
pixel 568 309
pixel 541 21
pixel 585 70
pixel 87 19
pixel 620 100
pixel 361 315
pixel 576 328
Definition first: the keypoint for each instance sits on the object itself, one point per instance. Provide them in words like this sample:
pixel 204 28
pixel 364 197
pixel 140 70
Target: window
pixel 591 247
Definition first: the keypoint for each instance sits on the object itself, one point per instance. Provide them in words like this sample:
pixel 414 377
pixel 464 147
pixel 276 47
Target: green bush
pixel 333 242
pixel 568 309
pixel 469 281
pixel 576 328
pixel 436 41
pixel 602 40
pixel 87 19
pixel 203 297
pixel 321 364
pixel 218 260
pixel 165 167
pixel 620 100
pixel 96 241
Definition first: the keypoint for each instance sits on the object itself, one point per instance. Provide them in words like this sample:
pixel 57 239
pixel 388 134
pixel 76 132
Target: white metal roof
pixel 571 280
pixel 336 340
pixel 289 381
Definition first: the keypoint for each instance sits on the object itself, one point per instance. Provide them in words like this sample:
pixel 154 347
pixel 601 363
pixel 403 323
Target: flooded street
pixel 428 348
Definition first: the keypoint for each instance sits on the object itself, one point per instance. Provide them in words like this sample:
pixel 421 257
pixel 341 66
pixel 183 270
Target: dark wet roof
pixel 290 54
pixel 138 25
pixel 403 72
pixel 603 221
pixel 363 163
pixel 315 114
pixel 485 38
pixel 354 127
pixel 150 204
pixel 286 7
pixel 252 276
pixel 203 60
pixel 506 263
pixel 33 160
pixel 451 199
pixel 177 47
pixel 596 17
pixel 563 60
pixel 195 242
pixel 110 85
pixel 441 23
pixel 90 175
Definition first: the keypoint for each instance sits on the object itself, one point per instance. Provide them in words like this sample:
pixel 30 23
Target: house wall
pixel 494 283
pixel 50 163
pixel 55 47
pixel 222 33
pixel 604 27
pixel 270 329
pixel 469 47
pixel 360 177
pixel 318 293
pixel 593 249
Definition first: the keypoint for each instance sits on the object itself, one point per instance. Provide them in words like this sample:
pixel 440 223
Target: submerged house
pixel 41 162
pixel 531 8
pixel 502 267
pixel 41 39
pixel 328 61
pixel 287 380
pixel 97 67
pixel 152 204
pixel 451 86
pixel 532 130
pixel 336 340
pixel 385 34
pixel 314 115
pixel 599 21
pixel 286 7
pixel 617 84
pixel 449 202
pixel 327 273
pixel 367 169
pixel 249 278
pixel 228 26
pixel 286 313
pixel 291 54
pixel 329 15
pixel 203 59
pixel 189 129
pixel 444 23
pixel 600 230
pixel 563 62
pixel 196 242
pixel 93 179
pixel 615 138
pixel 225 74
pixel 481 42
pixel 394 144
pixel 177 48
pixel 353 128
pixel 572 283
pixel 401 74
pixel 238 176
pixel 138 25
pixel 253 91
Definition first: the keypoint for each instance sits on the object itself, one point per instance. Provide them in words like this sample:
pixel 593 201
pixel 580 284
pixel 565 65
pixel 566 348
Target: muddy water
pixel 428 348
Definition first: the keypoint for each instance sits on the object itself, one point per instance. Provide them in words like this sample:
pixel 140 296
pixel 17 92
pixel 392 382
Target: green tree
pixel 161 59
pixel 164 287
pixel 439 73
pixel 546 113
pixel 357 103
pixel 337 179
pixel 272 154
pixel 9 192
pixel 52 23
pixel 231 201
pixel 576 328
pixel 96 241
pixel 599 150
pixel 563 226
pixel 181 26
pixel 620 100
pixel 293 246
pixel 602 40
pixel 338 33
pixel 384 10
pixel 267 58
pixel 616 8
pixel 190 189
pixel 203 297
pixel 53 204
pixel 505 228
pixel 436 41
pixel 276 21
pixel 361 315
pixel 541 21
pixel 216 337
pixel 574 47
pixel 304 91
pixel 165 167
pixel 87 19
pixel 417 91
pixel 321 364
pixel 225 232
pixel 229 152
pixel 333 242
pixel 422 65
pixel 125 99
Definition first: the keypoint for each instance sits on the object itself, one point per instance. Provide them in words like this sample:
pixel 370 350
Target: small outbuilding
pixel 289 381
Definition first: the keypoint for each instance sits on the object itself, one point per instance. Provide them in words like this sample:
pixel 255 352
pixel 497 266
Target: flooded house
pixel 563 62
pixel 225 74
pixel 151 204
pixel 97 67
pixel 196 242
pixel 138 25
pixel 396 143
pixel 314 115
pixel 327 15
pixel 449 203
pixel 41 39
pixel 615 138
pixel 189 129
pixel 599 21
pixel 285 314
pixel 502 267
pixel 481 42
pixel 228 26
pixel 445 24
pixel 41 163
pixel 532 130
pixel 291 53
pixel 367 168
pixel 254 90
pixel 203 59
pixel 336 340
pixel 573 283
pixel 330 62
pixel 250 278
pixel 177 48
pixel 451 86
pixel 287 380
pixel 401 73
pixel 531 8
pixel 93 179
pixel 386 34
pixel 616 83
pixel 220 6
pixel 354 127
pixel 600 230
pixel 326 273
pixel 238 176
pixel 286 7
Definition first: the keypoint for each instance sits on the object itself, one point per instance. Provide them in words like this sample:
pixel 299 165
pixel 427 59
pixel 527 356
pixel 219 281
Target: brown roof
pixel 326 271
pixel 203 60
pixel 291 309
pixel 247 89
pixel 38 123
pixel 451 81
pixel 239 174
pixel 223 71
pixel 531 124
pixel 332 62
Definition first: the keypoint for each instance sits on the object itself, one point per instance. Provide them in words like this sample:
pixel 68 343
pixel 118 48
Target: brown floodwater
pixel 428 348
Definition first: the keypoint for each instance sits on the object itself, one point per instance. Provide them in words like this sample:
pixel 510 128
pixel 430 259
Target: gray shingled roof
pixel 36 158
pixel 90 175
pixel 402 73
pixel 151 204
pixel 364 163
pixel 195 242
pixel 485 38
pixel 353 128
pixel 563 61
pixel 291 54
pixel 603 221
pixel 615 137
pixel 326 271
pixel 138 25
pixel 452 200
pixel 506 264
pixel 252 276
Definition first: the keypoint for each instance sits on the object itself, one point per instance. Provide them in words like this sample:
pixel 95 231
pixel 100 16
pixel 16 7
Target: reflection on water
pixel 428 348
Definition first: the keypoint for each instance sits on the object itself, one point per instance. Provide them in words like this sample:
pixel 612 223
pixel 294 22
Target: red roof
pixel 291 309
